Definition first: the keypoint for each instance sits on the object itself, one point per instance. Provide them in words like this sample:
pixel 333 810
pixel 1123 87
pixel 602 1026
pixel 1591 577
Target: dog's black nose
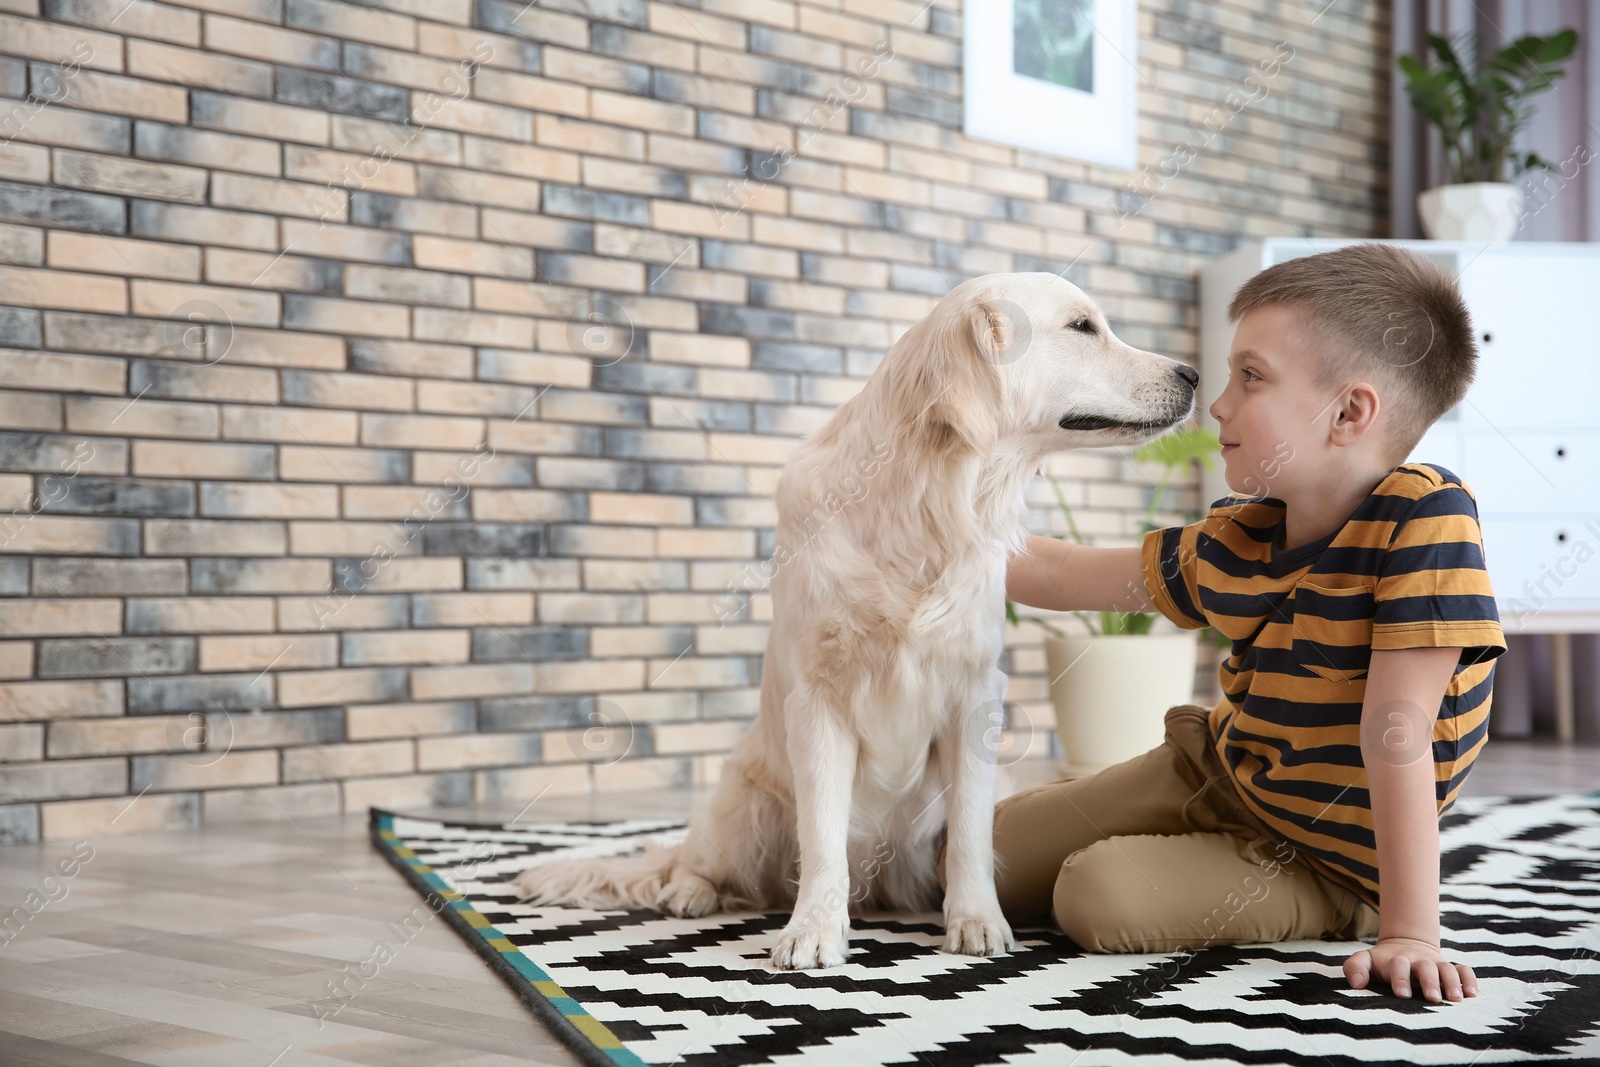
pixel 1188 374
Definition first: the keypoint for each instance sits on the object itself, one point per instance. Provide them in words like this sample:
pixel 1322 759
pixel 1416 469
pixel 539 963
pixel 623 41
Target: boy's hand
pixel 1398 959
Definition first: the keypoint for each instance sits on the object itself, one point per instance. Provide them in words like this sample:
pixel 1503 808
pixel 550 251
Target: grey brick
pixel 625 12
pixel 352 574
pixel 268 575
pixel 731 415
pixel 1192 240
pixel 482 539
pixel 210 692
pixel 412 213
pixel 915 278
pixel 943 110
pixel 625 443
pixel 493 574
pixel 562 472
pixel 714 512
pixel 61 576
pixel 1167 287
pixel 64 208
pixel 14 576
pixel 19 824
pixel 21 328
pixel 536 644
pixel 1189 33
pixel 577 202
pixel 882 126
pixel 347 96
pixel 114 657
pixel 45 453
pixel 123 496
pixel 165 378
pixel 747 321
pixel 113 333
pixel 682 88
pixel 535 713
pixel 806 359
pixel 694 478
pixel 452 789
pixel 631 375
pixel 258 728
pixel 13 78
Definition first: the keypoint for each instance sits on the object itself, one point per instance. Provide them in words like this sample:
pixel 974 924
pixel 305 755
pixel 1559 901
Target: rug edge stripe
pixel 558 1023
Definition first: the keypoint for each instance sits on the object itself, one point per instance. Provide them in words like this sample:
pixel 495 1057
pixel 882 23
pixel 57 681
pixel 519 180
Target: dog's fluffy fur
pixel 880 694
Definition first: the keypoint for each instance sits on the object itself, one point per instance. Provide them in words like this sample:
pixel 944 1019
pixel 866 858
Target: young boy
pixel 1364 630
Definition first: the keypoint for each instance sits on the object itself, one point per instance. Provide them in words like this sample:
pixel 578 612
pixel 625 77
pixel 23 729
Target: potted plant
pixel 1478 114
pixel 1112 684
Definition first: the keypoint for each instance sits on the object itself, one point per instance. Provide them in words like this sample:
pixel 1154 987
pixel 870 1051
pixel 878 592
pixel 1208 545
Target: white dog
pixel 881 691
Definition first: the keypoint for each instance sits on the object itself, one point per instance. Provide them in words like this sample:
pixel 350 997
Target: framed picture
pixel 1054 76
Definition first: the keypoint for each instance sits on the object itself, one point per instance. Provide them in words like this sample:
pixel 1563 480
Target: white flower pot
pixel 1474 211
pixel 1112 692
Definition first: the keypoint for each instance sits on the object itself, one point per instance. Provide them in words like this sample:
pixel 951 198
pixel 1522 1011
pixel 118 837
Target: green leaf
pixel 1479 111
pixel 1181 446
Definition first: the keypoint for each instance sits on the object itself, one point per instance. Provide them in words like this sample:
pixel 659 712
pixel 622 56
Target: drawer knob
pixel 1561 453
pixel 1561 536
pixel 1487 337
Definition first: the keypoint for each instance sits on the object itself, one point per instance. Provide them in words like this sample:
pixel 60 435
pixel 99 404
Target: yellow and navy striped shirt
pixel 1406 570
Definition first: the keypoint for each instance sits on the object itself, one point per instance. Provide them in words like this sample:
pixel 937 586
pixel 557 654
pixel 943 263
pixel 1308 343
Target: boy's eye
pixel 1249 374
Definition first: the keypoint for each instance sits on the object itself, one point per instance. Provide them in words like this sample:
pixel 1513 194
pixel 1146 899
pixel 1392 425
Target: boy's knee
pixel 1088 900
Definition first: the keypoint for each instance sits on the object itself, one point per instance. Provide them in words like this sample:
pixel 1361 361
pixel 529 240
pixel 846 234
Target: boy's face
pixel 1272 412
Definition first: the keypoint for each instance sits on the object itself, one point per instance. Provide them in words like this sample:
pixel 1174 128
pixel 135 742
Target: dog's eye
pixel 1082 326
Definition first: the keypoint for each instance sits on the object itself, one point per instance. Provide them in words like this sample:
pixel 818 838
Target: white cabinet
pixel 1526 439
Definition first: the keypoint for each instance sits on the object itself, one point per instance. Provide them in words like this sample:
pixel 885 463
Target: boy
pixel 1364 630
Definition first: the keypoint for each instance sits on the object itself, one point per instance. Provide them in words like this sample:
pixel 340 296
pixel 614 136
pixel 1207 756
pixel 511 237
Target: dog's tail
pixel 673 879
pixel 636 880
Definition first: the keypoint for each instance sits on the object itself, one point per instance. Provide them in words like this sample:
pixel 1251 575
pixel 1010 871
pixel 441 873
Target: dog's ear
pixel 965 366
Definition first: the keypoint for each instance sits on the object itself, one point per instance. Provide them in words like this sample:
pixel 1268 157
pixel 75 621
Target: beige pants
pixel 1158 854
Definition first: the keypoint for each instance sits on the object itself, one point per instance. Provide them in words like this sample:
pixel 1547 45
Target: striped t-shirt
pixel 1406 570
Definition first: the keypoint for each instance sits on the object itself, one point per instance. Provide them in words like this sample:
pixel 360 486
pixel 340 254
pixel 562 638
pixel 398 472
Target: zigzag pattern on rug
pixel 1520 898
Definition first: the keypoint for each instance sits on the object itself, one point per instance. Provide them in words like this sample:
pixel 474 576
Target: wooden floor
pixel 219 948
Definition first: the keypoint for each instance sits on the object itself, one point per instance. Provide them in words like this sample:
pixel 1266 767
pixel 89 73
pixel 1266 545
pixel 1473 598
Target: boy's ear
pixel 1355 413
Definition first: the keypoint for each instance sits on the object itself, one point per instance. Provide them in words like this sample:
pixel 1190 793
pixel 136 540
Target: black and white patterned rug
pixel 1520 898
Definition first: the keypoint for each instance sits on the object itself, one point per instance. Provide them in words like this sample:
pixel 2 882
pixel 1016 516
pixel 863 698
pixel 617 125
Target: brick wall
pixel 391 392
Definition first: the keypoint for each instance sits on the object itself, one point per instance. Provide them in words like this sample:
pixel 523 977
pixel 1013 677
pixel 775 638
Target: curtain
pixel 1564 129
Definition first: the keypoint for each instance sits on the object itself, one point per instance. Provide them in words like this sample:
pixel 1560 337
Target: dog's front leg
pixel 822 753
pixel 973 923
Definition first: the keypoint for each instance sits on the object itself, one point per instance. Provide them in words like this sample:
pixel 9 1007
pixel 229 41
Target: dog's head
pixel 1029 357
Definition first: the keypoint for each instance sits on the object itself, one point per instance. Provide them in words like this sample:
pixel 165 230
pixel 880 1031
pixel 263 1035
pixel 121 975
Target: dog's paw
pixel 975 936
pixel 688 896
pixel 801 948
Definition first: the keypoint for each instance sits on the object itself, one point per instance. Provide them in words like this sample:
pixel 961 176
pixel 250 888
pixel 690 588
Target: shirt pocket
pixel 1332 631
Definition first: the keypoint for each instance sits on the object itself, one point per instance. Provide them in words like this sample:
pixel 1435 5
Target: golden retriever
pixel 881 687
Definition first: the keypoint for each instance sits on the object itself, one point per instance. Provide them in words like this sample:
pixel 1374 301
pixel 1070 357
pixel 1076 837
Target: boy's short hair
pixel 1374 311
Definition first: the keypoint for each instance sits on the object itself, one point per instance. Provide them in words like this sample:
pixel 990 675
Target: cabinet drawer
pixel 1532 474
pixel 1539 563
pixel 1535 316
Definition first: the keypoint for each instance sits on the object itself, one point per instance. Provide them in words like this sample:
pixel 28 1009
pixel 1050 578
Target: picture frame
pixel 1054 76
